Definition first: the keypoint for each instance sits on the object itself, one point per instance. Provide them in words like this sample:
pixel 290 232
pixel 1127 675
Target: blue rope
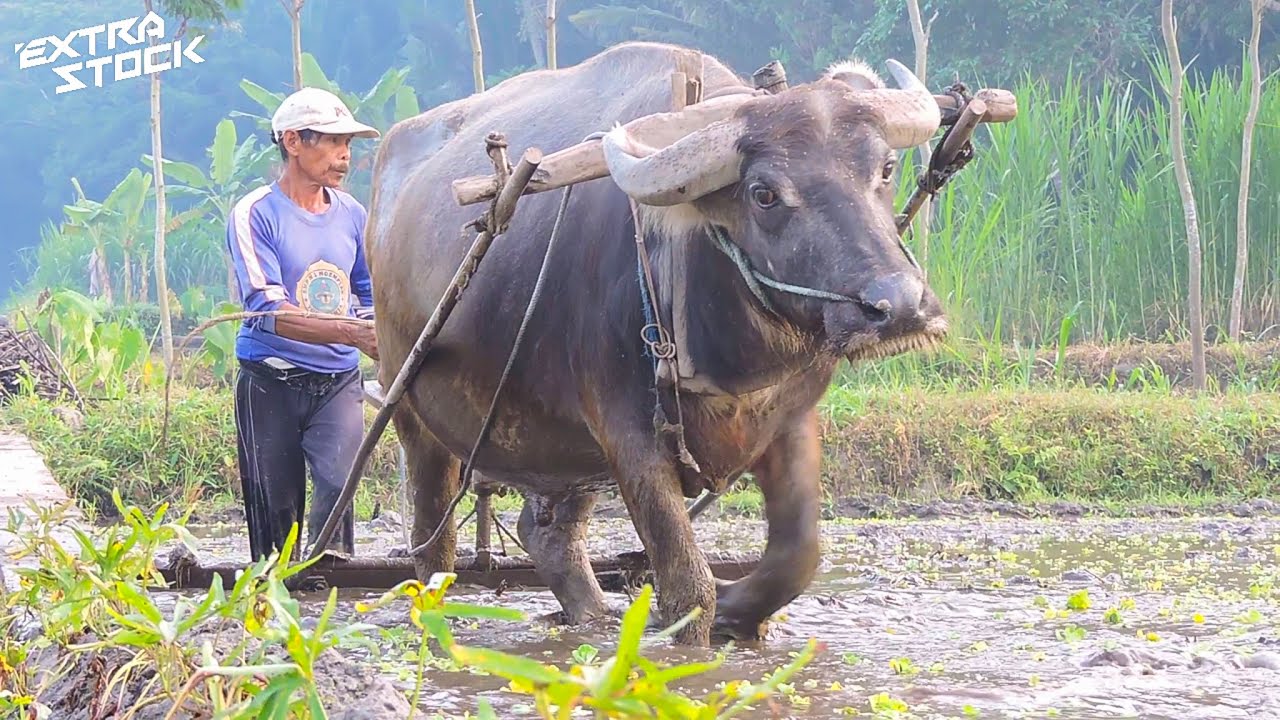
pixel 646 303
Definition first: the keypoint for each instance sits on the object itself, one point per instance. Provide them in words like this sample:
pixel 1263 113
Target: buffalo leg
pixel 554 531
pixel 788 474
pixel 651 489
pixel 433 477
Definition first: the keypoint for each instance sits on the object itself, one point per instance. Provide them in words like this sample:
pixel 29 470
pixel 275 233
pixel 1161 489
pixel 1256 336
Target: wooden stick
pixel 960 133
pixel 182 571
pixel 771 78
pixel 584 162
pixel 1002 106
pixel 679 91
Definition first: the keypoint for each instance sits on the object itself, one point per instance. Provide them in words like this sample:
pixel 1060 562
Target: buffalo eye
pixel 763 195
pixel 887 171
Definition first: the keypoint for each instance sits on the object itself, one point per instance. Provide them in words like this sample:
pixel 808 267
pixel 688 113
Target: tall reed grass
pixel 1071 212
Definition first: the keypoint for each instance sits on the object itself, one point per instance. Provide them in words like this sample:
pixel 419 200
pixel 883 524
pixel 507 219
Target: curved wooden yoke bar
pixel 585 161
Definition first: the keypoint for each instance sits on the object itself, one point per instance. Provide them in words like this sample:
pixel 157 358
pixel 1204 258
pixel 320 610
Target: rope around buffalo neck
pixel 754 278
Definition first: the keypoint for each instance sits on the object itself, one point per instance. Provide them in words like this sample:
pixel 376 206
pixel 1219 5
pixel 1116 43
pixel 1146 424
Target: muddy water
pixel 1172 618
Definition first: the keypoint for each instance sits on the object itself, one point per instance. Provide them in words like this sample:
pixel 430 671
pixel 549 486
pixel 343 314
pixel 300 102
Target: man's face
pixel 325 160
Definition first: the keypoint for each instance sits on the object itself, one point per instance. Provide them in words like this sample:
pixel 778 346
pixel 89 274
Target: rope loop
pixel 660 346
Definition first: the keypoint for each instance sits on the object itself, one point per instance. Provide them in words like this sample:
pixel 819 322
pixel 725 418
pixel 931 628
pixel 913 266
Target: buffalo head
pixel 802 184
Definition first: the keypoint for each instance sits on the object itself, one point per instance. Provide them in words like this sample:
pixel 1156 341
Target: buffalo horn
pixel 910 114
pixel 657 170
pixel 696 164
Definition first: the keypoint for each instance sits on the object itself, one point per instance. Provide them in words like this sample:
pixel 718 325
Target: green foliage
pixel 1071 211
pixel 627 685
pixel 99 587
pixel 1031 446
pixel 96 352
pixel 116 443
pixel 103 592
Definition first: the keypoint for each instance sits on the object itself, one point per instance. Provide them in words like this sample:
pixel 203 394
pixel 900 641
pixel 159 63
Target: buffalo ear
pixel 856 74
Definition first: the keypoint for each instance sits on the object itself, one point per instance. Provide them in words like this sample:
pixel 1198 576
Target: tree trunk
pixel 233 285
pixel 533 23
pixel 126 277
pixel 477 55
pixel 144 282
pixel 101 275
pixel 551 34
pixel 1246 160
pixel 295 19
pixel 921 36
pixel 1194 299
pixel 162 277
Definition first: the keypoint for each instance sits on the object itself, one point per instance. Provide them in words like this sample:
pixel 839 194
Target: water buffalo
pixel 799 187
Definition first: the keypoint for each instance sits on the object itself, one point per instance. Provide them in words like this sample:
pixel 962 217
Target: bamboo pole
pixel 585 161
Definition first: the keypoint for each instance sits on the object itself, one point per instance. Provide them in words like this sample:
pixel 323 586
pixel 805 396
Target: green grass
pixel 117 444
pixel 974 433
pixel 1071 211
pixel 1084 445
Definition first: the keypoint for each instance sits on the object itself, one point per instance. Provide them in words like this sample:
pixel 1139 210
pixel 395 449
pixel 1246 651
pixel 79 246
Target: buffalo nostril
pixel 893 297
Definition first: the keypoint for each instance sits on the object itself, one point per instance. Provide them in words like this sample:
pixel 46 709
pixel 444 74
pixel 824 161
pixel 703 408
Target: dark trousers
pixel 287 421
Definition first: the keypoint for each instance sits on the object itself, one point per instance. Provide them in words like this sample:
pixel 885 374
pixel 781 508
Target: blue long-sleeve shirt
pixel 314 260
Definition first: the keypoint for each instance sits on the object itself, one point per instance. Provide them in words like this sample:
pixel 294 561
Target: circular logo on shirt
pixel 323 288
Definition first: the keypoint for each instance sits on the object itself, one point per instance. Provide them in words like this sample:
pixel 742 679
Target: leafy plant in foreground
pixel 626 685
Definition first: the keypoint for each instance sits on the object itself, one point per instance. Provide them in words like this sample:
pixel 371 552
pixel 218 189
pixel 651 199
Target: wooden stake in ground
pixel 1246 160
pixel 1194 294
pixel 477 54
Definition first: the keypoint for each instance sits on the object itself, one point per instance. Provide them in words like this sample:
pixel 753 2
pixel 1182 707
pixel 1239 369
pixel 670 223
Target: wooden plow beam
pixel 619 574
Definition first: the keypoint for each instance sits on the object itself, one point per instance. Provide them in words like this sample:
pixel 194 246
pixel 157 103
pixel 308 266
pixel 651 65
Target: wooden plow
pixel 961 113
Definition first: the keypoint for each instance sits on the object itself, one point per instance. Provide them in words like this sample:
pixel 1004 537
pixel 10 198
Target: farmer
pixel 298 245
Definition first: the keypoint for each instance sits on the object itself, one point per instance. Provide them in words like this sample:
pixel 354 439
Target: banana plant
pixel 117 219
pixel 234 167
pixel 85 218
pixel 370 108
pixel 126 204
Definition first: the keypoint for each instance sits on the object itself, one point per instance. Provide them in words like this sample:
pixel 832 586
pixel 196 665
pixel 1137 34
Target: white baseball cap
pixel 314 109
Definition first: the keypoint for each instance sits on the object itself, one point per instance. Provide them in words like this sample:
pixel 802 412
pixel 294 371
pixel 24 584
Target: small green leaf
pixel 224 149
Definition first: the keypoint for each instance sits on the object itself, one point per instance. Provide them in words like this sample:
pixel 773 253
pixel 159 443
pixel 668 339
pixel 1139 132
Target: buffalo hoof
pixel 738 631
pixel 561 618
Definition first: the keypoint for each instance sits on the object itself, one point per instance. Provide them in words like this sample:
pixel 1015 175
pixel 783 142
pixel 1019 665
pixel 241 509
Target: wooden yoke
pixel 686 89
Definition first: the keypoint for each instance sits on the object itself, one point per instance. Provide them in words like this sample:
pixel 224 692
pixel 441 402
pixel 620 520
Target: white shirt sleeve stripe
pixel 244 240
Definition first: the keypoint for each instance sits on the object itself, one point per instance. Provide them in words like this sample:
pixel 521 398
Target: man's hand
pixel 365 338
pixel 351 332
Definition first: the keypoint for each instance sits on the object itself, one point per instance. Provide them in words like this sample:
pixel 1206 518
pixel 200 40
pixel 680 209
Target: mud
pixel 1070 616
